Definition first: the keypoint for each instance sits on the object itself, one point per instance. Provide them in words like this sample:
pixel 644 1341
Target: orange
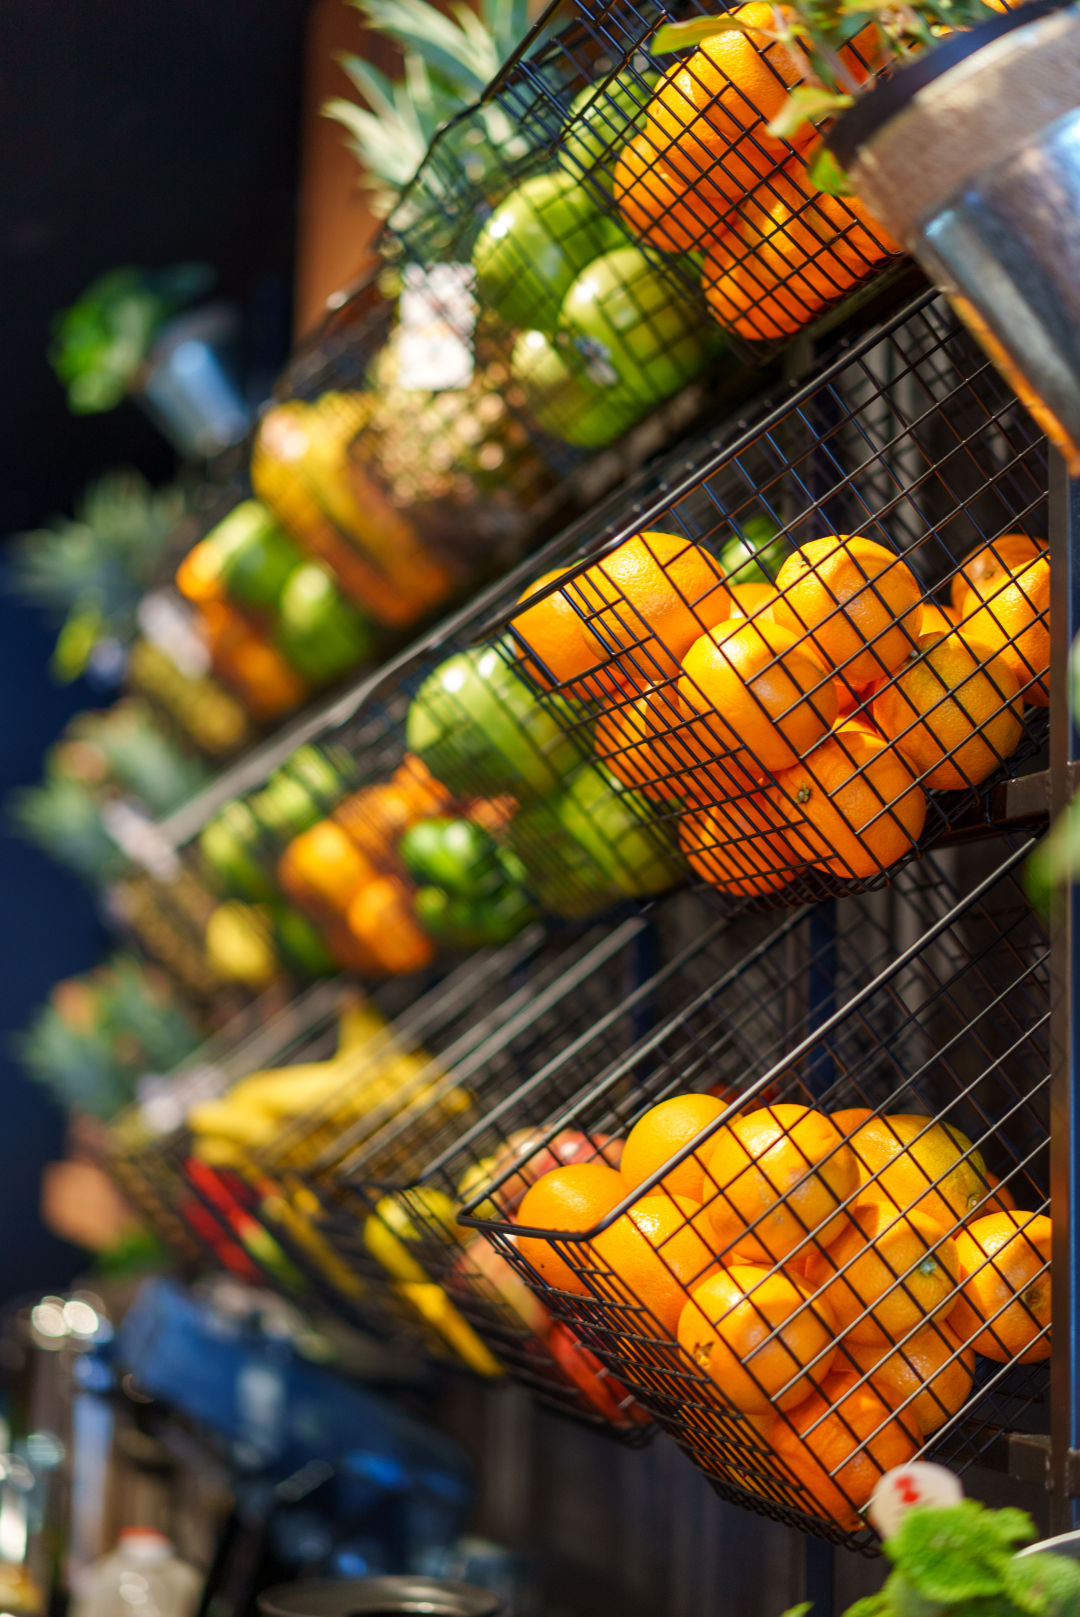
pixel 200 576
pixel 427 796
pixel 1004 1301
pixel 999 1198
pixel 727 1329
pixel 839 1443
pixel 268 686
pixel 643 606
pixel 653 1256
pixel 661 205
pixel 916 1163
pixel 381 916
pixel 648 743
pixel 791 252
pixel 1011 552
pixel 374 817
pixel 752 600
pixel 325 867
pixel 858 600
pixel 935 619
pixel 708 113
pixel 740 847
pixel 853 803
pixel 886 1274
pixel 952 711
pixel 1010 613
pixel 784 1170
pixel 928 1378
pixel 761 691
pixel 557 630
pixel 572 1199
pixel 663 1130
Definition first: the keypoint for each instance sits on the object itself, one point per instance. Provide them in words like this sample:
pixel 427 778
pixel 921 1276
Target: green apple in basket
pixel 319 632
pixel 632 329
pixel 601 118
pixel 481 731
pixel 564 399
pixel 257 557
pixel 533 246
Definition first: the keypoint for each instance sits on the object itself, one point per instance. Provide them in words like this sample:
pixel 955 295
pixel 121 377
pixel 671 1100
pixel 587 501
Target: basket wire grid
pixel 912 444
pixel 676 153
pixel 800 1418
pixel 476 1035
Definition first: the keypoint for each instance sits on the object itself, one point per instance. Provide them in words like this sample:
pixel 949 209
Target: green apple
pixel 756 555
pixel 229 846
pixel 300 943
pixel 257 557
pixel 534 245
pixel 601 118
pixel 482 732
pixel 632 328
pixel 619 830
pixel 563 400
pixel 319 632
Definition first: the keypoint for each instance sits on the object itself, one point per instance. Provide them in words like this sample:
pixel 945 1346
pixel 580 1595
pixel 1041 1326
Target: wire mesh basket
pixel 810 1267
pixel 710 220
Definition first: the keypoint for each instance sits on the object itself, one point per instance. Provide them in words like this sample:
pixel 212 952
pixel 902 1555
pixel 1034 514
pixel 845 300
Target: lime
pixel 755 556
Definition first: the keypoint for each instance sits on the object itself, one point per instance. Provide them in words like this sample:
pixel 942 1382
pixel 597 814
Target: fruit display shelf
pixel 711 221
pixel 846 1117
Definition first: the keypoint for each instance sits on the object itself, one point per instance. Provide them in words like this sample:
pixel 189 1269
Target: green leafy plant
pixel 960 1561
pixel 92 570
pixel 816 31
pixel 100 343
pixel 101 1032
pixel 448 60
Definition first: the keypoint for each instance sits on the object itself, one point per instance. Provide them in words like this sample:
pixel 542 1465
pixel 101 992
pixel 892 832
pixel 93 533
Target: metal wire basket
pixel 879 1067
pixel 676 153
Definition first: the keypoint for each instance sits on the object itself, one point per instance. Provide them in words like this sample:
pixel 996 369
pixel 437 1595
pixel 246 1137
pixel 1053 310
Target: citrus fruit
pixel 647 742
pixel 753 600
pixel 839 1443
pixel 935 619
pixel 1011 552
pixel 886 1274
pixel 571 1199
pixel 760 690
pixel 756 553
pixel 792 251
pixel 859 601
pixel 741 846
pixel 754 1333
pixel 323 866
pixel 652 1257
pixel 999 1198
pixel 381 916
pixel 784 1172
pixel 1004 1303
pixel 663 1130
pixel 709 111
pixel 1010 614
pixel 928 1377
pixel 952 711
pixel 661 205
pixel 642 606
pixel 557 630
pixel 918 1164
pixel 853 803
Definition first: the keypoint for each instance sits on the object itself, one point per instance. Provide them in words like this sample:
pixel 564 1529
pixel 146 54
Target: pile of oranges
pixel 705 174
pixel 798 724
pixel 830 1277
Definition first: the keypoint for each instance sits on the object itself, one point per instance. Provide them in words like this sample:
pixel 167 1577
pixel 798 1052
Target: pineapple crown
pixel 448 61
pixel 93 569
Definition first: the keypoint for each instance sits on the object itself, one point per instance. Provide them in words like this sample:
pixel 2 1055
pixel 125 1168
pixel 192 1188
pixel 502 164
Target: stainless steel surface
pixel 431 1597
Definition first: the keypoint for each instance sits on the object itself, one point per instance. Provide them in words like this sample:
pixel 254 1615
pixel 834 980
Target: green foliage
pixel 100 1033
pixel 93 569
pixel 449 59
pixel 100 342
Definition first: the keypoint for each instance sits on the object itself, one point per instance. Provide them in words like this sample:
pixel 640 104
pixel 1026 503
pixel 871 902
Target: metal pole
pixel 1065 1014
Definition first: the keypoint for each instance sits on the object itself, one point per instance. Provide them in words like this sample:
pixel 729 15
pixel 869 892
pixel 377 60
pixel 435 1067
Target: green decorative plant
pixel 103 1031
pixel 101 342
pixel 92 570
pixel 960 1561
pixel 816 32
pixel 448 60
